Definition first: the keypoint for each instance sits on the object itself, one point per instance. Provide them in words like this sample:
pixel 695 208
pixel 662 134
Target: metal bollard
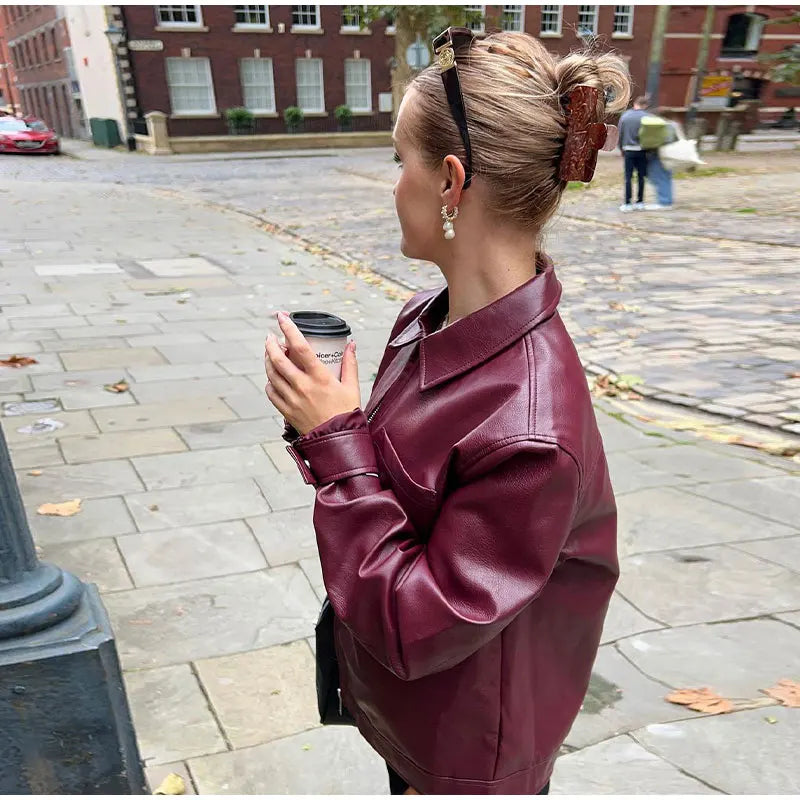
pixel 65 725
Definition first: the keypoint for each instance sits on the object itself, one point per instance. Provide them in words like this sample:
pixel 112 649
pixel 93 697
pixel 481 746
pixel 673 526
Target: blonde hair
pixel 513 92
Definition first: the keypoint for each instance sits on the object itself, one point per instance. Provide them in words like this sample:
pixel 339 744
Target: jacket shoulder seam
pixel 533 395
pixel 501 444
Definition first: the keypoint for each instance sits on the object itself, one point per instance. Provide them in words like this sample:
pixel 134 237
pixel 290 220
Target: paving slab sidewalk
pixel 197 527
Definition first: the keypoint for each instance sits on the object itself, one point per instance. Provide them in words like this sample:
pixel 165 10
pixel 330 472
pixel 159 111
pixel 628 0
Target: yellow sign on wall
pixel 715 90
pixel 716 86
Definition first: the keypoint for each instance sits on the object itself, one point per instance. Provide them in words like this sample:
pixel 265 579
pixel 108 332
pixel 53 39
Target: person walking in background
pixel 635 158
pixel 657 173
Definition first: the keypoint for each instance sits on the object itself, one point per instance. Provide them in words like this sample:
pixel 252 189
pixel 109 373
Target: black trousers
pixel 635 160
pixel 398 786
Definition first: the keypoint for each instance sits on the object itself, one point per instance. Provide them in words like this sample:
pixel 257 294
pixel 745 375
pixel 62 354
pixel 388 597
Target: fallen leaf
pixel 118 387
pixel 66 509
pixel 140 622
pixel 771 720
pixel 172 784
pixel 306 747
pixel 793 374
pixel 786 691
pixel 35 473
pixel 152 508
pixel 17 361
pixel 703 700
pixel 275 692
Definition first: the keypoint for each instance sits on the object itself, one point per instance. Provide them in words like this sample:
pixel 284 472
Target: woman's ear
pixel 452 181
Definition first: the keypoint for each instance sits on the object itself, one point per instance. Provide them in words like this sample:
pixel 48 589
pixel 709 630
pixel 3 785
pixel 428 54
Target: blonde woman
pixel 465 520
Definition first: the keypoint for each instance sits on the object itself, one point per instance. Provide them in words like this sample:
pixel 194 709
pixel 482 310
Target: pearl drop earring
pixel 447 226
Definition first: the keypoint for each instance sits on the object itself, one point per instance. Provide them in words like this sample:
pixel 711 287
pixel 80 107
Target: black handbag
pixel 329 692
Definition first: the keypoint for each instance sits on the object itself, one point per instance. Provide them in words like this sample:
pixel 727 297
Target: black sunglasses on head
pixel 445 46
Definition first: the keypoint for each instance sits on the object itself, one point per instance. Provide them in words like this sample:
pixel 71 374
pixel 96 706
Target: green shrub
pixel 343 114
pixel 293 117
pixel 240 119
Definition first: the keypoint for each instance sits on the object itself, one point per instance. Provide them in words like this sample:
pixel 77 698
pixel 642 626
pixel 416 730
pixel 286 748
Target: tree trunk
pixel 404 37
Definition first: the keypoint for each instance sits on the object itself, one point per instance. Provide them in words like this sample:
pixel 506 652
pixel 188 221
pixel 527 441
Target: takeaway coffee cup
pixel 327 335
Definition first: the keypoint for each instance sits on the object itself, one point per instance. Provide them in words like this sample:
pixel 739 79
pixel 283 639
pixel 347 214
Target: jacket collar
pixel 477 337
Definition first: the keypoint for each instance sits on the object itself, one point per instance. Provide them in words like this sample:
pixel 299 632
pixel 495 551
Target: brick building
pixel 9 96
pixel 740 34
pixel 194 62
pixel 37 41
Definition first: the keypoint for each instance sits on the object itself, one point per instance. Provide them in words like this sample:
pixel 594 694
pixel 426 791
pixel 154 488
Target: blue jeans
pixel 635 161
pixel 660 177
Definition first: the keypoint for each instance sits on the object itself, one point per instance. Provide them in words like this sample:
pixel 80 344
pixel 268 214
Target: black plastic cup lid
pixel 318 323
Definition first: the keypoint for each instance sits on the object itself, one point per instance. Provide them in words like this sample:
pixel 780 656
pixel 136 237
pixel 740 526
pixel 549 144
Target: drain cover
pixel 30 407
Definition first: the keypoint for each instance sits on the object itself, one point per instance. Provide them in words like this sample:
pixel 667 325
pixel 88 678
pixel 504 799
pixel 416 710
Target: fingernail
pixel 283 315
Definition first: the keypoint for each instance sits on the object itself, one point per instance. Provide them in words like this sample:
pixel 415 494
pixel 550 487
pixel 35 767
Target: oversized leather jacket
pixel 467 533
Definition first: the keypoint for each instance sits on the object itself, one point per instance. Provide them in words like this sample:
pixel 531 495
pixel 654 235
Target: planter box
pixel 288 141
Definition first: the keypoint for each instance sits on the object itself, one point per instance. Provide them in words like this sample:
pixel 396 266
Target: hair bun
pixel 604 71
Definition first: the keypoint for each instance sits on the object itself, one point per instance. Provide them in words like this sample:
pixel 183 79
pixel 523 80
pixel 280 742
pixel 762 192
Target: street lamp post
pixel 116 35
pixel 65 726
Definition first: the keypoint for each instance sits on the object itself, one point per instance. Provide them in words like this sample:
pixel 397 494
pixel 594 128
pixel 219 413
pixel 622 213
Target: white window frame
pixel 595 11
pixel 482 26
pixel 353 28
pixel 354 108
pixel 271 85
pixel 321 109
pixel 519 12
pixel 251 26
pixel 304 26
pixel 178 25
pixel 755 31
pixel 185 112
pixel 626 15
pixel 559 11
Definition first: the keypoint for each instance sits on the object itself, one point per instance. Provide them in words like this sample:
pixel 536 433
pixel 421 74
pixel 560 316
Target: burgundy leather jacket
pixel 467 532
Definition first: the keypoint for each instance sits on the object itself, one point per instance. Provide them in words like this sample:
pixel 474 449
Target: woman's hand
pixel 301 387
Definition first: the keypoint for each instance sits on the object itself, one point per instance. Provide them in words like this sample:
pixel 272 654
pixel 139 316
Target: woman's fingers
pixel 302 354
pixel 276 379
pixel 281 363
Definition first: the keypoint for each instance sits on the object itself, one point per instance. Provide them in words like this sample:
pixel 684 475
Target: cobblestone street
pixel 696 302
pixel 166 272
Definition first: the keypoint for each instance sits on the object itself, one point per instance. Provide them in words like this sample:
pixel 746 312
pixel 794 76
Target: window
pixel 551 21
pixel 56 53
pixel 46 56
pixel 258 85
pixel 177 16
pixel 251 16
pixel 474 19
pixel 743 35
pixel 513 18
pixel 190 87
pixel 351 17
pixel 310 96
pixel 587 20
pixel 623 21
pixel 389 17
pixel 305 17
pixel 358 84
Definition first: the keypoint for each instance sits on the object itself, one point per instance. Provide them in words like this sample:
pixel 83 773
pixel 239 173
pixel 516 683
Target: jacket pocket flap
pixel 400 481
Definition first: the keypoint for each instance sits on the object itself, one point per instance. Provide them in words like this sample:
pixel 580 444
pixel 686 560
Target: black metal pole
pixel 65 725
pixel 33 596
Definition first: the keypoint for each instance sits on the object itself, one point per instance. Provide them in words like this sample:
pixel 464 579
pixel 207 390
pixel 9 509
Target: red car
pixel 27 136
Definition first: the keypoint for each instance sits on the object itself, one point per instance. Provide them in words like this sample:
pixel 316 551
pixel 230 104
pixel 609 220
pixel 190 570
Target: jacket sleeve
pixel 422 606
